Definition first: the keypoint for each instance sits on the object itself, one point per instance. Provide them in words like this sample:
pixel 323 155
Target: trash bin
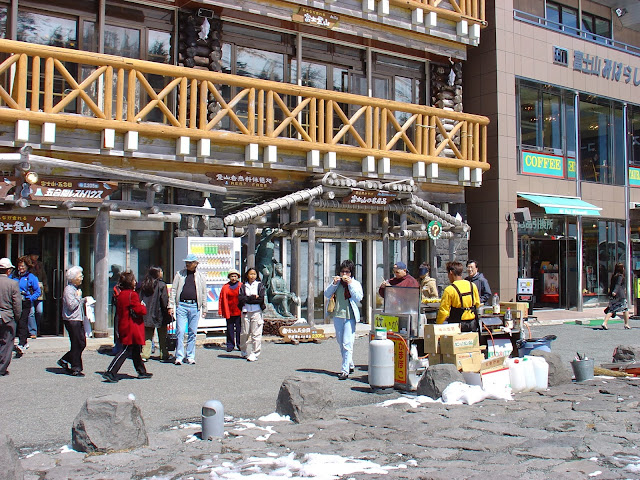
pixel 582 369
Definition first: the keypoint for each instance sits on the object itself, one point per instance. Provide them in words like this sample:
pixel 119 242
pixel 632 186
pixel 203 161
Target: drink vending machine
pixel 216 256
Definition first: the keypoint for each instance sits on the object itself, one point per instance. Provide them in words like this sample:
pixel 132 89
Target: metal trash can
pixel 212 420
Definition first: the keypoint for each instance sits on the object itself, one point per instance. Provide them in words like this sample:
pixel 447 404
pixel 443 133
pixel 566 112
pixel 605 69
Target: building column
pixel 294 216
pixel 311 250
pixel 404 255
pixel 251 246
pixel 101 274
pixel 385 245
pixel 370 280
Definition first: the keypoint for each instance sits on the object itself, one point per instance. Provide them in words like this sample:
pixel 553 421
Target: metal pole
pixel 385 244
pixel 251 246
pixel 311 250
pixel 403 242
pixel 627 214
pixel 295 257
pixel 101 267
pixel 579 252
pixel 370 280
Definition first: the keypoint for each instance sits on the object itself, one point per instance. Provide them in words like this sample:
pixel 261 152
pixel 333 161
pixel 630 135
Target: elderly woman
pixel 73 316
pixel 130 311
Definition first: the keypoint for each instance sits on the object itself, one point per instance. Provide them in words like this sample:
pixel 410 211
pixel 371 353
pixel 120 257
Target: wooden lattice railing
pixel 113 92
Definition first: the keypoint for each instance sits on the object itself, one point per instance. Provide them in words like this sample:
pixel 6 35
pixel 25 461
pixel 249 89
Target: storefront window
pixel 601 160
pixel 634 134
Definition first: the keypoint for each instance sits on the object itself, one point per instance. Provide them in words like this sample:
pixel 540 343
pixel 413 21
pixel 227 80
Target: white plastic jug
pixel 516 374
pixel 529 374
pixel 541 369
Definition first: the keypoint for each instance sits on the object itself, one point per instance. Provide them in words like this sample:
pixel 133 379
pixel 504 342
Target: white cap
pixel 5 263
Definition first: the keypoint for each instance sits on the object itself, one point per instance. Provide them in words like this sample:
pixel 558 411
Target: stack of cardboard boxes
pixel 445 344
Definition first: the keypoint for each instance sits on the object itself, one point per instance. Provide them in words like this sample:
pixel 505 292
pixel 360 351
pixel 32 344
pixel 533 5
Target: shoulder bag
pixel 331 306
pixel 132 314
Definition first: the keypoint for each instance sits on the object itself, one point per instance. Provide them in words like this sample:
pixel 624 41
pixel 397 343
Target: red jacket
pixel 131 331
pixel 228 303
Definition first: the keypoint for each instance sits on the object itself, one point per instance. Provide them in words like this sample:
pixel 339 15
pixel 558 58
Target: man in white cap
pixel 10 311
pixel 189 296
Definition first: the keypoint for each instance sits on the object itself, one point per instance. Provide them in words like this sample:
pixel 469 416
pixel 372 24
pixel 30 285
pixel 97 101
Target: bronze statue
pixel 279 294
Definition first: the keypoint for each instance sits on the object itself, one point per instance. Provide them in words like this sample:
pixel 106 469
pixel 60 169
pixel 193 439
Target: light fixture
pixel 620 12
pixel 31 177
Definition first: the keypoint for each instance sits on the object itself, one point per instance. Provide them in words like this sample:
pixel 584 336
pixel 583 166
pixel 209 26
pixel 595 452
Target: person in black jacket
pixel 617 297
pixel 478 279
pixel 251 303
pixel 154 294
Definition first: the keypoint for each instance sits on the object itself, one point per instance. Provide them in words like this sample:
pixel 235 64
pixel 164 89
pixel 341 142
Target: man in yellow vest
pixel 460 300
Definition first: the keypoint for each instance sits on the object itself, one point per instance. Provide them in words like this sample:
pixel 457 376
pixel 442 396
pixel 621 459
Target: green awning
pixel 557 205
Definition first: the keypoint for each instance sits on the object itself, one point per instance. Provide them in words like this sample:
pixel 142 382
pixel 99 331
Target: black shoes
pixel 109 377
pixel 145 375
pixel 352 369
pixel 65 365
pixel 343 376
pixel 77 373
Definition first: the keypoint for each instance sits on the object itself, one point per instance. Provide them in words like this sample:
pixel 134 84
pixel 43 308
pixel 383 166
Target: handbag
pixel 331 306
pixel 172 337
pixel 132 314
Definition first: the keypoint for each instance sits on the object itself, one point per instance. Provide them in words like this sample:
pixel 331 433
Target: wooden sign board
pixel 317 18
pixel 241 179
pixel 22 224
pixel 301 333
pixel 369 197
pixel 62 189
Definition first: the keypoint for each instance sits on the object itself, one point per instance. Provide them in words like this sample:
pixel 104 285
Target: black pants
pixel 78 340
pixel 23 323
pixel 7 334
pixel 233 332
pixel 132 351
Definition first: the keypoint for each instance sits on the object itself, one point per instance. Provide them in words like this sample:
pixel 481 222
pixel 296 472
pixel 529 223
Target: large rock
pixel 559 371
pixel 436 378
pixel 626 353
pixel 109 423
pixel 304 397
pixel 10 469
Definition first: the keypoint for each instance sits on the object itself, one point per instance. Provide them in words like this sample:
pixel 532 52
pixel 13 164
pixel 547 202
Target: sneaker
pixel 109 377
pixel 252 358
pixel 64 364
pixel 190 361
pixel 145 375
pixel 243 354
pixel 33 336
pixel 343 376
pixel 178 362
pixel 77 373
pixel 26 346
pixel 352 369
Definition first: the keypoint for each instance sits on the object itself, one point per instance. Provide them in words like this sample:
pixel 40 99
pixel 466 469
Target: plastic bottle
pixel 516 374
pixel 541 370
pixel 495 303
pixel 529 374
pixel 508 319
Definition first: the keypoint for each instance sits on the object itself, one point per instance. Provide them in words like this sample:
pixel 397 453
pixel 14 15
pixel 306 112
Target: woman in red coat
pixel 130 329
pixel 228 308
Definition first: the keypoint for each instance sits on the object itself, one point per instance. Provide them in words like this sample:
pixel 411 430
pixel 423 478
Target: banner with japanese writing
pixel 22 224
pixel 63 189
pixel 241 179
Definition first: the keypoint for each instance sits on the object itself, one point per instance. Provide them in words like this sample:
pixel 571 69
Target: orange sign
pixel 400 360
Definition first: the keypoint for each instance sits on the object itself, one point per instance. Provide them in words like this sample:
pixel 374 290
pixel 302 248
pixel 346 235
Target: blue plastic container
pixel 526 346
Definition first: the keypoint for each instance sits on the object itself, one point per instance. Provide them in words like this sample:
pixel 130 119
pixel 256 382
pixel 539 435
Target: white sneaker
pixel 243 354
pixel 252 358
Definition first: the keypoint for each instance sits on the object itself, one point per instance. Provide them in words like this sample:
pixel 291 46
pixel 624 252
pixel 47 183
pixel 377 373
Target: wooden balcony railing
pixel 113 92
pixel 472 10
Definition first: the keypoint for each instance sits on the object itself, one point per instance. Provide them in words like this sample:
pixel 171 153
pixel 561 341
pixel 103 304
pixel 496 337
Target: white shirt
pixel 251 289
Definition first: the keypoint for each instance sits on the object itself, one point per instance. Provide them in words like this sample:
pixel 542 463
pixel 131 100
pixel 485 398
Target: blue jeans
pixel 345 334
pixel 35 317
pixel 187 315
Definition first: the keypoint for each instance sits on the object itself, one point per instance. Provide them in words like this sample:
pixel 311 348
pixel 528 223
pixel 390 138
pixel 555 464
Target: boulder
pixel 559 371
pixel 304 397
pixel 11 467
pixel 436 378
pixel 626 353
pixel 109 423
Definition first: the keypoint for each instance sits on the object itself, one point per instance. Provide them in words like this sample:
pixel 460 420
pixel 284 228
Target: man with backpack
pixel 460 300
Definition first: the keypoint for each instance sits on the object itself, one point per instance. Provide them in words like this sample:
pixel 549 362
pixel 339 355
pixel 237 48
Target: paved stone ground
pixel 588 430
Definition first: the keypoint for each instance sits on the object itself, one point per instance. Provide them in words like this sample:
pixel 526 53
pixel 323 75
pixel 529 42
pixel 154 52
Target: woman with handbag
pixel 130 328
pixel 251 304
pixel 344 293
pixel 617 297
pixel 153 293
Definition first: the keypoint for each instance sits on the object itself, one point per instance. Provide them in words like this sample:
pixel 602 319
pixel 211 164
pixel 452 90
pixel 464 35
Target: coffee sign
pixel 22 224
pixel 63 189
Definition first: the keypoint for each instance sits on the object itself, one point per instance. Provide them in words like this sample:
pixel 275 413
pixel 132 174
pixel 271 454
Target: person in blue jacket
pixel 345 313
pixel 30 290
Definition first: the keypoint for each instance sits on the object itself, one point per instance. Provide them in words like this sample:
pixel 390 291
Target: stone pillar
pixel 101 274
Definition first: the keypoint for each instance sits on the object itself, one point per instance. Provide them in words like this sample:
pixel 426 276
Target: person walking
pixel 251 304
pixel 10 311
pixel 228 308
pixel 73 317
pixel 189 296
pixel 460 300
pixel 130 328
pixel 30 290
pixel 347 292
pixel 37 308
pixel 479 280
pixel 153 293
pixel 617 297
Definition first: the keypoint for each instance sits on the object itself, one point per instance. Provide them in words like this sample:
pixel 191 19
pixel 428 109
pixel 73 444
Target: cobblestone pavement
pixel 575 431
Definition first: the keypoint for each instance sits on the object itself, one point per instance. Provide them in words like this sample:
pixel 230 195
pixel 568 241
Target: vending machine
pixel 216 256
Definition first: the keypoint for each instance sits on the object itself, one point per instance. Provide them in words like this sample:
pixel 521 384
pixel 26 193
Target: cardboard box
pixel 518 309
pixel 460 343
pixel 432 334
pixel 493 374
pixel 499 347
pixel 435 359
pixel 466 362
